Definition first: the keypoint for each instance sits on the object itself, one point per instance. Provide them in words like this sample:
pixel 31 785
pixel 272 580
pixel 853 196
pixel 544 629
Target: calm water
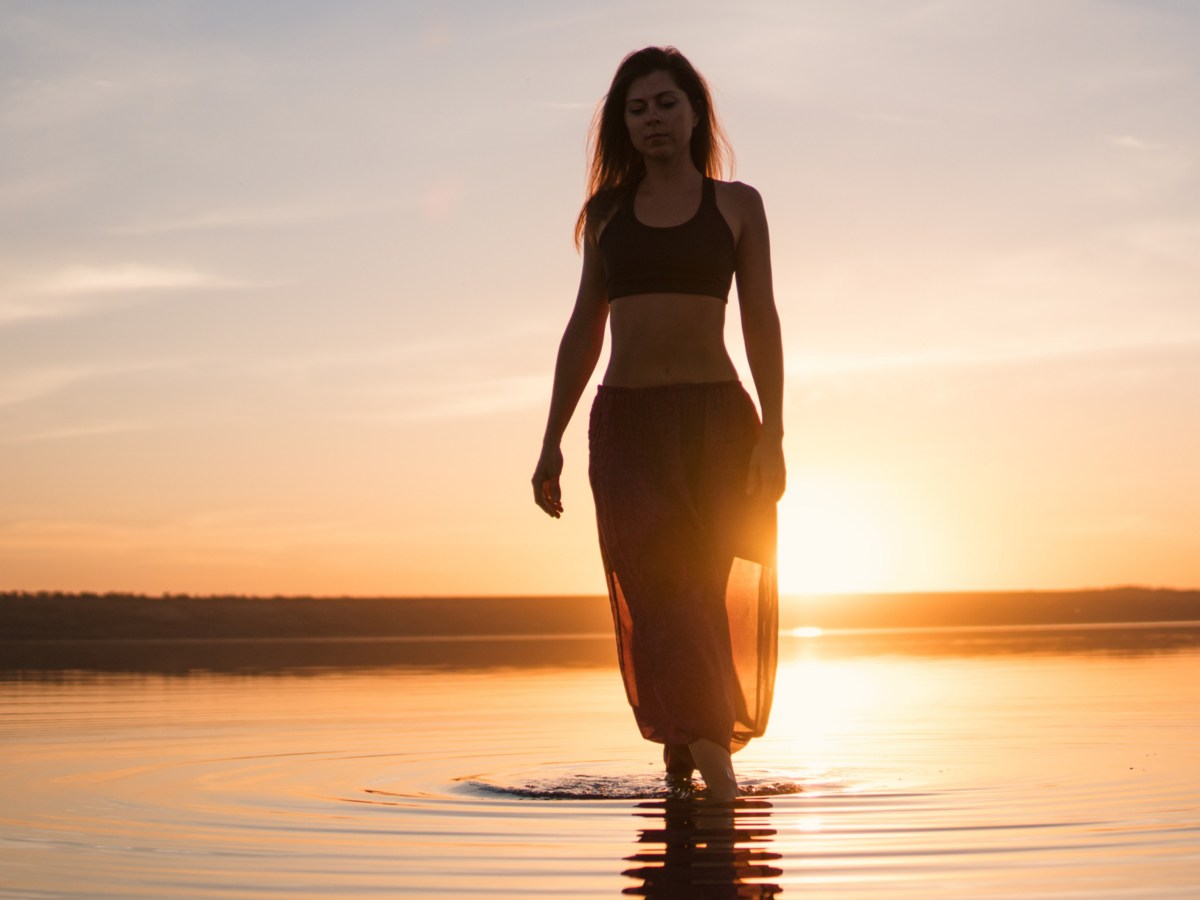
pixel 965 764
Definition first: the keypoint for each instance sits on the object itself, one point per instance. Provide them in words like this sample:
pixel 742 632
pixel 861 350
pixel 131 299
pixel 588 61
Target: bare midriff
pixel 667 339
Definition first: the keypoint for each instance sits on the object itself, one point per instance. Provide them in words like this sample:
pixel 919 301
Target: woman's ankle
pixel 716 765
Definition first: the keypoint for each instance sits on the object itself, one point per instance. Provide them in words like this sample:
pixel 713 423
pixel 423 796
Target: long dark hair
pixel 615 166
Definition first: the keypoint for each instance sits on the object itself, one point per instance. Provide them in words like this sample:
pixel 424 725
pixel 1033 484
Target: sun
pixel 836 535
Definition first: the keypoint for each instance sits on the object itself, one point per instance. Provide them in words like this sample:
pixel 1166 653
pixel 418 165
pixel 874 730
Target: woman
pixel 684 477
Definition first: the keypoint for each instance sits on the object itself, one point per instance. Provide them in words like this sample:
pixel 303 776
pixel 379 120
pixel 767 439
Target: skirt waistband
pixel 679 387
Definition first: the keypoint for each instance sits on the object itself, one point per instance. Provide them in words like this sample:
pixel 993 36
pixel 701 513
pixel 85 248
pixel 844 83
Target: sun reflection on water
pixel 817 700
pixel 807 631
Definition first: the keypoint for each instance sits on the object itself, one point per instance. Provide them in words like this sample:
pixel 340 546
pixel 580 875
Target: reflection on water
pixel 715 851
pixel 961 769
pixel 1116 639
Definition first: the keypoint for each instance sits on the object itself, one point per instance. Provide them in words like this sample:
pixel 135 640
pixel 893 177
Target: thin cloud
pixel 238 533
pixel 78 431
pixel 1131 142
pixel 805 365
pixel 464 400
pixel 31 384
pixel 1175 240
pixel 13 312
pixel 250 217
pixel 23 386
pixel 45 102
pixel 30 192
pixel 131 277
pixel 431 348
pixel 86 290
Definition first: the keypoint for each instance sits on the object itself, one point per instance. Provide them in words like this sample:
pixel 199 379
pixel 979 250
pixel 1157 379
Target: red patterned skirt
pixel 689 558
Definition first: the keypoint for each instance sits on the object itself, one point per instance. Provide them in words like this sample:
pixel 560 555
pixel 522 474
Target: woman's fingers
pixel 552 497
pixel 546 490
pixel 767 474
pixel 547 494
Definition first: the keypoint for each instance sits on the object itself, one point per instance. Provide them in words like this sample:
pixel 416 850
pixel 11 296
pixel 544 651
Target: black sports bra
pixel 696 257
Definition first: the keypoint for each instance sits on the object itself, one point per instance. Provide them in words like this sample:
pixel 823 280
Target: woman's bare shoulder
pixel 596 229
pixel 742 207
pixel 739 195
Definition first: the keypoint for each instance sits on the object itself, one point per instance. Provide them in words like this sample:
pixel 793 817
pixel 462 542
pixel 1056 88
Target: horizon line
pixel 183 595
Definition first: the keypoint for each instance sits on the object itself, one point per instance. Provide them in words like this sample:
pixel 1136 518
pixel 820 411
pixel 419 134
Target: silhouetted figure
pixel 684 476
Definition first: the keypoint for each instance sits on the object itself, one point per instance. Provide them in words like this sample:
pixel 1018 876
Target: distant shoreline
pixel 42 616
pixel 55 635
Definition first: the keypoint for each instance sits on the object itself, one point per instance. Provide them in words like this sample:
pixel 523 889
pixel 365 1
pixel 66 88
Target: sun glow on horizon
pixel 837 535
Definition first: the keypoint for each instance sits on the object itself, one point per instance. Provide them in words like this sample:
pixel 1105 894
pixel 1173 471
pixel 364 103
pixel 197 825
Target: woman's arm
pixel 764 343
pixel 578 353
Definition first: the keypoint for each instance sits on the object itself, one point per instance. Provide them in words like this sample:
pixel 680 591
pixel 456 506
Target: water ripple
pixel 415 784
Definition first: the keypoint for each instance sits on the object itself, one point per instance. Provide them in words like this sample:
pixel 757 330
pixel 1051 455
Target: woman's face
pixel 659 117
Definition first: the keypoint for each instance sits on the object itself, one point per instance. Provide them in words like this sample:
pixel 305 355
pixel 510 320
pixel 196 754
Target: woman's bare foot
pixel 716 766
pixel 678 760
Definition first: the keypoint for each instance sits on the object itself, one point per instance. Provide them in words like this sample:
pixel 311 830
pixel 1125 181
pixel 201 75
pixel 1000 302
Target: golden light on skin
pixel 835 536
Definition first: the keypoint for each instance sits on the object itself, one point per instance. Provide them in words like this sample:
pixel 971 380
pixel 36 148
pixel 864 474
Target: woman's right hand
pixel 546 490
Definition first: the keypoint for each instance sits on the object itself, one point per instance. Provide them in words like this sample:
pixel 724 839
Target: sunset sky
pixel 282 285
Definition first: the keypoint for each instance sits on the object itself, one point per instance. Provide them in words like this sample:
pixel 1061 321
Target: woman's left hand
pixel 768 474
